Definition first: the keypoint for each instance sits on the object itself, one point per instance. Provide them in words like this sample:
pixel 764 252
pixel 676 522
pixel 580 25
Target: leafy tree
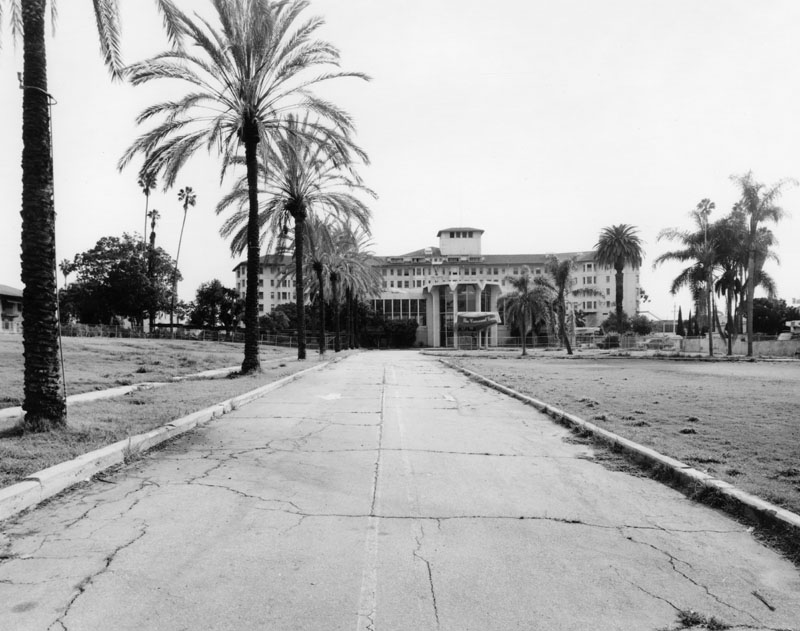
pixel 529 303
pixel 641 325
pixel 244 77
pixel 771 314
pixel 216 305
pixel 617 247
pixel 612 324
pixel 44 401
pixel 759 204
pixel 113 282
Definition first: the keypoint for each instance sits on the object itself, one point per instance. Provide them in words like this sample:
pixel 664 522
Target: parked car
pixel 664 341
pixel 609 341
pixel 785 336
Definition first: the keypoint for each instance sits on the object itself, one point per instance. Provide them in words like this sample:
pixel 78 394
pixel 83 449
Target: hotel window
pixel 452 235
pixel 391 272
pixel 272 295
pixel 516 271
pixel 608 291
pixel 391 283
pixel 608 279
pixel 470 235
pixel 405 283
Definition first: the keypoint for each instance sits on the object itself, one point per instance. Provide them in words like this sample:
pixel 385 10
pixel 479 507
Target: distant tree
pixel 147 182
pixel 617 247
pixel 641 325
pixel 216 305
pixel 112 281
pixel 188 198
pixel 680 330
pixel 611 323
pixel 770 315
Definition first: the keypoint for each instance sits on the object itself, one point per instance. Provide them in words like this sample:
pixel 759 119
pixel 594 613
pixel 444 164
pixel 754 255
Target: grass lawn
pixel 736 420
pixel 103 363
pixel 96 363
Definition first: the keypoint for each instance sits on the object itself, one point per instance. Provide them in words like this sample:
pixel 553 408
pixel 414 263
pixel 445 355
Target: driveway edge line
pixel 46 483
pixel 694 483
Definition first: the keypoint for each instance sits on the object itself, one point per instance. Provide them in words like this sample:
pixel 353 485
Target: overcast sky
pixel 540 122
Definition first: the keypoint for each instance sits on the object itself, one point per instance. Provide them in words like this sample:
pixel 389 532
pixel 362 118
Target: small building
pixel 10 309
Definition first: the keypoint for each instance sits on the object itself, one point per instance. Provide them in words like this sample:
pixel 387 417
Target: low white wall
pixel 771 348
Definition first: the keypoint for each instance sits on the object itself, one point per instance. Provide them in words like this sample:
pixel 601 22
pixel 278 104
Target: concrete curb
pixel 44 484
pixel 688 477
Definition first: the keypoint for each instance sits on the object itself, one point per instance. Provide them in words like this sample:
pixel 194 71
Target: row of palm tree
pixel 244 77
pixel 248 95
pixel 726 258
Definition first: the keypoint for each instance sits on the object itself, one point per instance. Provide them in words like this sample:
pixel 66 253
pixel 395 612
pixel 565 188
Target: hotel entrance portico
pixel 447 300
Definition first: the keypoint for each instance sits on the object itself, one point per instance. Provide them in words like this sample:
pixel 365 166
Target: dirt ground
pixel 738 421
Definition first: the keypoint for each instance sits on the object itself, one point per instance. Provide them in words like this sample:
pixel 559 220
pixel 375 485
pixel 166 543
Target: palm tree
pixel 308 172
pixel 154 217
pixel 349 267
pixel 560 273
pixel 147 182
pixel 759 204
pixel 44 400
pixel 318 248
pixel 189 198
pixel 699 248
pixel 617 247
pixel 528 305
pixel 245 75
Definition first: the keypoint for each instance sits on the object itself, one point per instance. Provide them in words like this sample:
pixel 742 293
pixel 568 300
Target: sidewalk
pixel 383 492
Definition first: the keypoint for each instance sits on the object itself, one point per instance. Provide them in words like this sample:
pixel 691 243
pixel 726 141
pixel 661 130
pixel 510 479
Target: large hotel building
pixel 453 289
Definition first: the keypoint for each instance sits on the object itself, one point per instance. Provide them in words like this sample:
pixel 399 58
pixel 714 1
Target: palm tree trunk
pixel 562 322
pixel 45 404
pixel 349 320
pixel 321 311
pixel 299 229
pixel 337 342
pixel 710 318
pixel 751 288
pixel 251 363
pixel 175 274
pixel 524 334
pixel 618 298
pixel 730 325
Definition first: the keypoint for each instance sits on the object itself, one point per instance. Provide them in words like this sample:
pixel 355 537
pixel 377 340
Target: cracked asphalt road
pixel 384 492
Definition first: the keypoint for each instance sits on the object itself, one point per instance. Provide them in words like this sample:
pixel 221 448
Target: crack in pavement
pixel 87 582
pixel 642 589
pixel 417 554
pixel 673 559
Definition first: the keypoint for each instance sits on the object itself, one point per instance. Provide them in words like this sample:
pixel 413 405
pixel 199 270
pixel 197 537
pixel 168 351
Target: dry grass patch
pixel 737 421
pixel 96 424
pixel 97 363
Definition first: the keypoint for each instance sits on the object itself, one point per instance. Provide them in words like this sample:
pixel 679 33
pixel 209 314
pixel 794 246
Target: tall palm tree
pixel 244 76
pixel 528 305
pixel 147 182
pixel 617 247
pixel 44 400
pixel 189 198
pixel 318 249
pixel 759 202
pixel 154 216
pixel 309 170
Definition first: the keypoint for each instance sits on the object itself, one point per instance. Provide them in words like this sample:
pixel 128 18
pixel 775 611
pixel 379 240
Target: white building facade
pixel 436 284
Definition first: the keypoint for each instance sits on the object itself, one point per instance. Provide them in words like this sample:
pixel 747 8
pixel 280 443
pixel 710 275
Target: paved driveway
pixel 383 492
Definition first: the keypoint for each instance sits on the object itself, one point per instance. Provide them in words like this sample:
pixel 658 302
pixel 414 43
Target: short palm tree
pixel 245 75
pixel 44 400
pixel 700 248
pixel 759 203
pixel 560 274
pixel 350 267
pixel 308 171
pixel 528 304
pixel 617 247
